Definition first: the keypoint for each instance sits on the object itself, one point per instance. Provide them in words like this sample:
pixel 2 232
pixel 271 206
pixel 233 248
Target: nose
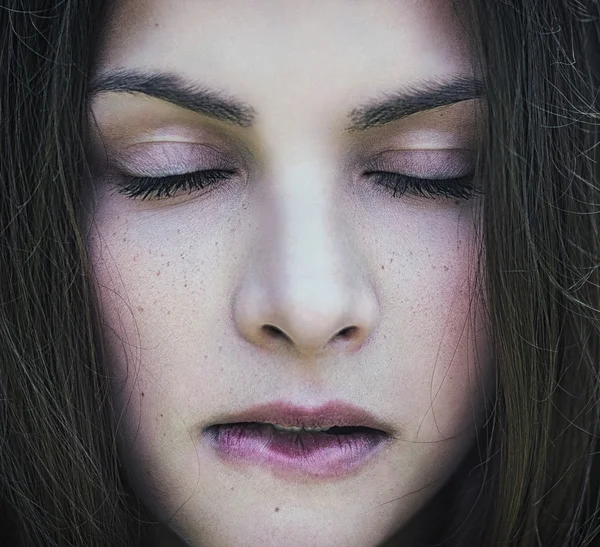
pixel 306 286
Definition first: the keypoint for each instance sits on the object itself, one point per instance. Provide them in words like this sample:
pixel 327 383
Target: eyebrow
pixel 420 96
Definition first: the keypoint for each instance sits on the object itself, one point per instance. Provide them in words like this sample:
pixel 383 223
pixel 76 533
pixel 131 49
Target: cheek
pixel 147 390
pixel 440 348
pixel 155 298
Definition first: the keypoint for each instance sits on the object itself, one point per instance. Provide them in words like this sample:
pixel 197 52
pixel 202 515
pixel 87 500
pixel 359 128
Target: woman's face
pixel 290 273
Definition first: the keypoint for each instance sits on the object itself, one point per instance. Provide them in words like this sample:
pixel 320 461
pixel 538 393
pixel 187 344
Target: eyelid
pixel 162 158
pixel 442 163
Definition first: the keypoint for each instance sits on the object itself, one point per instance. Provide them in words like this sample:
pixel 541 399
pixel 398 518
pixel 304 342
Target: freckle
pixel 446 268
pixel 124 239
pixel 433 267
pixel 382 267
pixel 276 509
pixel 391 260
pixel 206 356
pixel 161 415
pixel 185 284
pixel 142 393
pixel 168 313
pixel 157 273
pixel 232 488
pixel 140 309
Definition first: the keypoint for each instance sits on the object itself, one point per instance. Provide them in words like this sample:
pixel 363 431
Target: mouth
pixel 332 441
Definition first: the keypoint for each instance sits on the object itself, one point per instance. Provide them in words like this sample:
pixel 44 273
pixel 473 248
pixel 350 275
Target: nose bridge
pixel 299 208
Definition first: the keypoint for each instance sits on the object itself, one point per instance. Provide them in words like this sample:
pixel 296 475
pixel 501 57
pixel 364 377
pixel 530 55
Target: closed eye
pixel 462 188
pixel 165 187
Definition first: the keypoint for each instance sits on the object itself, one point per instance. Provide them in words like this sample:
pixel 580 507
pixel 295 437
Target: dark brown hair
pixel 537 462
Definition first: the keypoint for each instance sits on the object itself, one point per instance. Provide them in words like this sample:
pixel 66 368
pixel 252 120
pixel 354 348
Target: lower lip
pixel 309 454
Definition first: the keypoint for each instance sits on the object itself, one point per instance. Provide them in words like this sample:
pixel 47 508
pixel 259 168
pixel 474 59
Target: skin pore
pixel 301 236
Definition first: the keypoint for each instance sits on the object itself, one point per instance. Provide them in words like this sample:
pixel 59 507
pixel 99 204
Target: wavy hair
pixel 537 463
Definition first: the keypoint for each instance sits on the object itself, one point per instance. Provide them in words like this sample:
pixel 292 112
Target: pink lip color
pixel 316 455
pixel 302 454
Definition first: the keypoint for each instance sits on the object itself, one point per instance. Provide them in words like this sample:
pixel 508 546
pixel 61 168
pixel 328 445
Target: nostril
pixel 347 332
pixel 274 332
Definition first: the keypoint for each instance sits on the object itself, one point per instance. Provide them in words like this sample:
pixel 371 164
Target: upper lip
pixel 330 414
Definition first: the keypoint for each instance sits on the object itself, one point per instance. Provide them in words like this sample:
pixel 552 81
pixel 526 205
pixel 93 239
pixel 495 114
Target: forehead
pixel 316 50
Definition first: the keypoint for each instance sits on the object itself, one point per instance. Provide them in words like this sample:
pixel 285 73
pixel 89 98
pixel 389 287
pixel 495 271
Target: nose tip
pixel 324 315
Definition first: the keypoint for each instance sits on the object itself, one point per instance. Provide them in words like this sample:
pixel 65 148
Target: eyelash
pixel 461 188
pixel 164 187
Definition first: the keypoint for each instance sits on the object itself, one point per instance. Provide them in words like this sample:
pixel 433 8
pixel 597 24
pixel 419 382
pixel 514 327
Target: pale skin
pixel 300 238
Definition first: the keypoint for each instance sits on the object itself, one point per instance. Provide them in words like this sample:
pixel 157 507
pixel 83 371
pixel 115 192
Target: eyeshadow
pixel 168 158
pixel 425 163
